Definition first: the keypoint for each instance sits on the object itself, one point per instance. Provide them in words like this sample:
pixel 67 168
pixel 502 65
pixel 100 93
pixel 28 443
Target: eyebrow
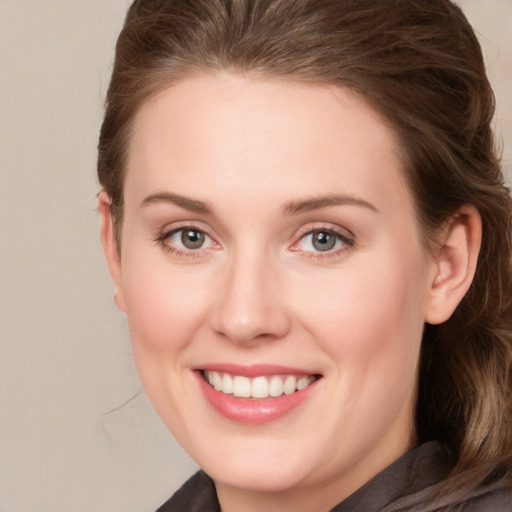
pixel 290 208
pixel 316 203
pixel 187 203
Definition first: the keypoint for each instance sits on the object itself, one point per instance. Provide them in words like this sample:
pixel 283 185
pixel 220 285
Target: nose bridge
pixel 250 302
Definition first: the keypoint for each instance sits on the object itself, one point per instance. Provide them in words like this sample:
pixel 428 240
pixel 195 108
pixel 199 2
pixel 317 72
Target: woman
pixel 306 224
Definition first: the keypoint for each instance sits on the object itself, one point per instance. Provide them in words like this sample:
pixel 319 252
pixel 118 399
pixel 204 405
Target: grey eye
pixel 186 241
pixel 192 238
pixel 323 240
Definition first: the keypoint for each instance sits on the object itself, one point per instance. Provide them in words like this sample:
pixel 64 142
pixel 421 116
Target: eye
pixel 190 238
pixel 185 239
pixel 323 240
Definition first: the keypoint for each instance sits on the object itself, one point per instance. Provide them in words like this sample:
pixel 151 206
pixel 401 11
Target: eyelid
pixel 345 235
pixel 327 226
pixel 171 229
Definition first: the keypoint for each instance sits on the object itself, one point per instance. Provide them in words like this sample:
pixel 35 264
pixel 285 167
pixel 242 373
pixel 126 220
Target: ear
pixel 110 248
pixel 454 264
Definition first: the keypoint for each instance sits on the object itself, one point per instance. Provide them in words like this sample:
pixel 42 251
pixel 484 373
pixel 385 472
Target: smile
pixel 258 387
pixel 255 394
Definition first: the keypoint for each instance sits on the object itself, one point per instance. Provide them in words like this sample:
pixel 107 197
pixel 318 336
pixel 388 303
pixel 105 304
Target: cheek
pixel 369 316
pixel 164 311
pixel 164 305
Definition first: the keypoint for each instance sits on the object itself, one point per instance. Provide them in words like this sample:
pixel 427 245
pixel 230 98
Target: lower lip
pixel 253 411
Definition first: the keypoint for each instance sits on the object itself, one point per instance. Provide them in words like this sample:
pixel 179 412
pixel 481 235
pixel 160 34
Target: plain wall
pixel 65 358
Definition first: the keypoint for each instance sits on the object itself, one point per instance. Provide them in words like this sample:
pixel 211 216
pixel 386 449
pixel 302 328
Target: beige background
pixel 65 359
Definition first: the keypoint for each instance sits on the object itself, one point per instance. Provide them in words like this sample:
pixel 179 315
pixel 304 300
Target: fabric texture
pixel 410 484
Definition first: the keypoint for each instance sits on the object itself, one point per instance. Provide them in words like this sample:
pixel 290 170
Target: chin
pixel 264 477
pixel 253 464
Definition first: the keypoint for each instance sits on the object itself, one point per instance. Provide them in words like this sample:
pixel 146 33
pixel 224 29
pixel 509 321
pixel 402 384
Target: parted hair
pixel 417 63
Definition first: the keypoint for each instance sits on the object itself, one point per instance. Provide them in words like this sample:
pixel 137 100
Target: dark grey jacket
pixel 408 485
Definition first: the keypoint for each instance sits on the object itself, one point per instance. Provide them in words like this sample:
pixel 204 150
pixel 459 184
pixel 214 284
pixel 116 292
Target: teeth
pixel 276 387
pixel 241 387
pixel 303 382
pixel 217 381
pixel 290 384
pixel 258 387
pixel 227 384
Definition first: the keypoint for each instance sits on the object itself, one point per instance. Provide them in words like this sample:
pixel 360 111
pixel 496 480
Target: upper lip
pixel 254 370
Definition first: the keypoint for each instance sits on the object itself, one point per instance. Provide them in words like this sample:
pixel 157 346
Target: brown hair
pixel 419 64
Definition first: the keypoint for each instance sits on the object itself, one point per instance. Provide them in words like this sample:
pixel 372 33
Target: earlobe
pixel 454 264
pixel 110 248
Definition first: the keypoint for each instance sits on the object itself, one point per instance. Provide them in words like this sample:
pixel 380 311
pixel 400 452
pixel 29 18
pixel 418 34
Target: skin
pixel 259 292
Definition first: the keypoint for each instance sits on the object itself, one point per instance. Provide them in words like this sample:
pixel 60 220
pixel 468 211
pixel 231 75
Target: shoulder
pixel 196 495
pixel 417 482
pixel 495 497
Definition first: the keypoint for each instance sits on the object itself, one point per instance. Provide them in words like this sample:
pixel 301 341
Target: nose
pixel 251 303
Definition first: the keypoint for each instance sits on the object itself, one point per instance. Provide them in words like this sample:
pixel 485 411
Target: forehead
pixel 232 131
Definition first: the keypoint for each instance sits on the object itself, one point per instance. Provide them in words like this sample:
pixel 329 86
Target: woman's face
pixel 270 243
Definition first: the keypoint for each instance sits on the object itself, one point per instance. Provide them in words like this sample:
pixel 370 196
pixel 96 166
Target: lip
pixel 249 410
pixel 254 370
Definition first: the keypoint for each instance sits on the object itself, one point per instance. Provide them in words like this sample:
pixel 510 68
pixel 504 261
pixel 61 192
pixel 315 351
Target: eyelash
pixel 191 253
pixel 347 242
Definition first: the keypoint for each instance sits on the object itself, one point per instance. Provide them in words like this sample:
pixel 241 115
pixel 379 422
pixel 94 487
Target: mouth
pixel 258 387
pixel 256 394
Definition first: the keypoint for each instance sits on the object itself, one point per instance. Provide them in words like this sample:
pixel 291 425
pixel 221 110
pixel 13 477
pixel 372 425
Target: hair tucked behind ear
pixel 418 63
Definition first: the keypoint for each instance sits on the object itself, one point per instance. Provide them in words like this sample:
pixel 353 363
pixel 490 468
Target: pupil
pixel 192 239
pixel 323 241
